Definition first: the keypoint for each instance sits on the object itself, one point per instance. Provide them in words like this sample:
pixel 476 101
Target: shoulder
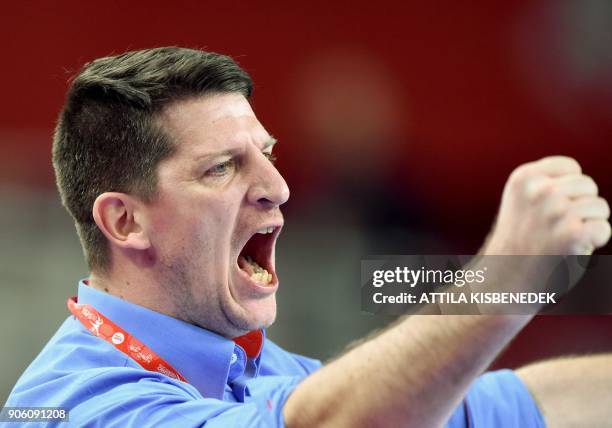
pixel 501 399
pixel 75 366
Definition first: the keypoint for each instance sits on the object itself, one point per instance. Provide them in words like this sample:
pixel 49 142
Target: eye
pixel 221 169
pixel 271 157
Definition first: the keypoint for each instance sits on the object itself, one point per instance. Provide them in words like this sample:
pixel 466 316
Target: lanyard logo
pixel 105 329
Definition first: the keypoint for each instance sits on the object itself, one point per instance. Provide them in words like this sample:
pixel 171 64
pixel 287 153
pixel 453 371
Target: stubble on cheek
pixel 206 303
pixel 191 287
pixel 196 275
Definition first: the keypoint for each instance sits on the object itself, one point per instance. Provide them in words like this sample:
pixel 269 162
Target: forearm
pixel 572 392
pixel 414 374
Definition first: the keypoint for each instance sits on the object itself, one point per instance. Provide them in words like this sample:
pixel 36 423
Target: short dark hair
pixel 107 138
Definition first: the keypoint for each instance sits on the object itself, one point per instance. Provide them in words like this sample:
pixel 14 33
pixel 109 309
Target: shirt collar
pixel 202 357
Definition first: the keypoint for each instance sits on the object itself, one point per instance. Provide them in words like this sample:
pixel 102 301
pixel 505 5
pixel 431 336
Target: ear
pixel 119 217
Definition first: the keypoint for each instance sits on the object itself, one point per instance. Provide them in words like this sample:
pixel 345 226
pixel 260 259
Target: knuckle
pixel 570 164
pixel 600 205
pixel 573 163
pixel 553 190
pixel 556 207
pixel 539 189
pixel 561 163
pixel 605 207
pixel 520 174
pixel 601 233
pixel 604 231
pixel 591 184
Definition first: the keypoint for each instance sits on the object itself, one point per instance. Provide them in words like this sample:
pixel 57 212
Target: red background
pixel 482 87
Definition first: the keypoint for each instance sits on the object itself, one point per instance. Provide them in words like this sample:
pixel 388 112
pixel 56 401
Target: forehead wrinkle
pixel 243 130
pixel 186 114
pixel 199 127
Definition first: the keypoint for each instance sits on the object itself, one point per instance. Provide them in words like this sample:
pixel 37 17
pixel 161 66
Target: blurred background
pixel 399 123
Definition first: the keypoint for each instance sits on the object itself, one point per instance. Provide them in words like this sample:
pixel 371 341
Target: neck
pixel 143 293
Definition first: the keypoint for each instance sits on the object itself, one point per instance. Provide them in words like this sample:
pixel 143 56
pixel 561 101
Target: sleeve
pixel 310 365
pixel 497 399
pixel 164 403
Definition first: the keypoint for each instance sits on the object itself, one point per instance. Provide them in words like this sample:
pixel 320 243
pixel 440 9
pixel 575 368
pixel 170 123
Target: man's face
pixel 214 224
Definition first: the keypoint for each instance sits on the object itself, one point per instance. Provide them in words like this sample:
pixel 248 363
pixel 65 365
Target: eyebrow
pixel 271 141
pixel 233 152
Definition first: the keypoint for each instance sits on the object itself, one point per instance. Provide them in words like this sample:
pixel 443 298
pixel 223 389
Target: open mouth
pixel 255 259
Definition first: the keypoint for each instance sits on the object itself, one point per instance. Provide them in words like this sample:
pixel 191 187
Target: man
pixel 170 179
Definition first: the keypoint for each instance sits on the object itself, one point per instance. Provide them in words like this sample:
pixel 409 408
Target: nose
pixel 269 188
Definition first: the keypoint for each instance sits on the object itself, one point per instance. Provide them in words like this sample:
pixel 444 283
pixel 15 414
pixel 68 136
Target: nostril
pixel 266 202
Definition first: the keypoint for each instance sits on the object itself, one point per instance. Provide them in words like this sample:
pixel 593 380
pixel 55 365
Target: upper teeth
pixel 266 230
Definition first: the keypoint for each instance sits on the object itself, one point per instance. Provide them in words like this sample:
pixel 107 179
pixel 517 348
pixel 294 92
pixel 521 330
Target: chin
pixel 255 315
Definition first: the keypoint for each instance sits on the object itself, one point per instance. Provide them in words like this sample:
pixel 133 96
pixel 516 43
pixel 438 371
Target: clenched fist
pixel 549 207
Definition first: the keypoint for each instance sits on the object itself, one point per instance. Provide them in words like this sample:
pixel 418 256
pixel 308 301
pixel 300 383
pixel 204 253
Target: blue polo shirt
pixel 101 386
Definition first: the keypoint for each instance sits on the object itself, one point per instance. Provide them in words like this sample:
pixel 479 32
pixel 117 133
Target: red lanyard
pixel 105 329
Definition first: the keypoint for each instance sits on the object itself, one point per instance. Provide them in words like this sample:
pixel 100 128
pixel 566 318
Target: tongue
pixel 245 266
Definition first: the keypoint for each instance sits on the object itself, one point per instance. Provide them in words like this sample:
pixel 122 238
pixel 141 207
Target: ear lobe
pixel 116 216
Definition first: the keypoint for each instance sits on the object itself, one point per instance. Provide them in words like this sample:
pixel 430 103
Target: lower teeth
pixel 260 274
